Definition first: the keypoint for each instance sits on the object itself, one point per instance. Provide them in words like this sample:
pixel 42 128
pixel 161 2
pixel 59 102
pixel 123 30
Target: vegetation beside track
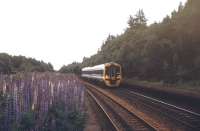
pixel 41 102
pixel 192 87
pixel 58 119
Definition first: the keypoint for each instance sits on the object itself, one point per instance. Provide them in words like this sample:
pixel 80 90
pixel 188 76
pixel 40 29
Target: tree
pixel 71 68
pixel 137 22
pixel 165 51
pixel 180 7
pixel 13 64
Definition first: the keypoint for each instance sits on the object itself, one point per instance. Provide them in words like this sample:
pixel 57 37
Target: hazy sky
pixel 63 31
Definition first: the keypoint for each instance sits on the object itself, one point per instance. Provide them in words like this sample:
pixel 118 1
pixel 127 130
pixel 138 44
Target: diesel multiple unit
pixel 109 73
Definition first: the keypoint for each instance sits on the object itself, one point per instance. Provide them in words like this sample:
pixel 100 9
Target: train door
pixel 112 71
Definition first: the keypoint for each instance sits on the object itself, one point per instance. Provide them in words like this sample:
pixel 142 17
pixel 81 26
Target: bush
pixel 60 120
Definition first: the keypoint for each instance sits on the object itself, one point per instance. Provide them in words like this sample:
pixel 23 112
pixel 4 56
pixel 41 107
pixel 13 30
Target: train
pixel 108 73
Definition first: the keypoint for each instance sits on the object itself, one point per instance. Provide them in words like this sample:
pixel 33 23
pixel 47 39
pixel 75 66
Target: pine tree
pixel 137 22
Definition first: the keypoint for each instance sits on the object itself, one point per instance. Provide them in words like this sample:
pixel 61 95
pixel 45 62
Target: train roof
pixel 98 67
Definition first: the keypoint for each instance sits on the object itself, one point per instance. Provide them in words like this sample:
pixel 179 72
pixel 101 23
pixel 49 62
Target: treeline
pixel 75 67
pixel 12 64
pixel 168 51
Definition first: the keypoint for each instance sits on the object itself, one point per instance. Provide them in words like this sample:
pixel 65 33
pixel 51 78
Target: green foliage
pixel 168 51
pixel 58 119
pixel 75 67
pixel 137 22
pixel 12 64
pixel 2 107
pixel 5 63
pixel 27 121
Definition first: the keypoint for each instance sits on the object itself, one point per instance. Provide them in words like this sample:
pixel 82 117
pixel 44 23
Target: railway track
pixel 120 117
pixel 188 119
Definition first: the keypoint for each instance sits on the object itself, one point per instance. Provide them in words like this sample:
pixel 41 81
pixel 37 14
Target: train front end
pixel 112 74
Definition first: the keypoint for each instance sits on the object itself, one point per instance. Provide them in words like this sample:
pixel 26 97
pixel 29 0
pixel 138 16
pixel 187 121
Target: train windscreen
pixel 113 71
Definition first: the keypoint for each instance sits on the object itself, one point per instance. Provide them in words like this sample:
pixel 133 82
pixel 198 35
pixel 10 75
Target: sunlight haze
pixel 64 31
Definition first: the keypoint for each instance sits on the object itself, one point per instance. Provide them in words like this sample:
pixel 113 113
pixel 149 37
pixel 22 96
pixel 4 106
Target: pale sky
pixel 63 31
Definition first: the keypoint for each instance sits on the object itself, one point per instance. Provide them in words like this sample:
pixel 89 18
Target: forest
pixel 12 64
pixel 167 51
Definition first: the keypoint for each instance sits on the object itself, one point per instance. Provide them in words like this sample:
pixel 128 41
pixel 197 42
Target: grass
pixel 193 86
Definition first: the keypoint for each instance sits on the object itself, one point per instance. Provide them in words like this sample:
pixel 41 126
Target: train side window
pixel 93 72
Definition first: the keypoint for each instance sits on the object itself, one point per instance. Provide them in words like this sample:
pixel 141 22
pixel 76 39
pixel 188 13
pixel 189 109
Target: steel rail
pixel 184 116
pixel 145 124
pixel 102 108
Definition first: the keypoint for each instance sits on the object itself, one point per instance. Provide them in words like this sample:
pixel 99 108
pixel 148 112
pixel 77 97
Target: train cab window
pixel 112 71
pixel 117 71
